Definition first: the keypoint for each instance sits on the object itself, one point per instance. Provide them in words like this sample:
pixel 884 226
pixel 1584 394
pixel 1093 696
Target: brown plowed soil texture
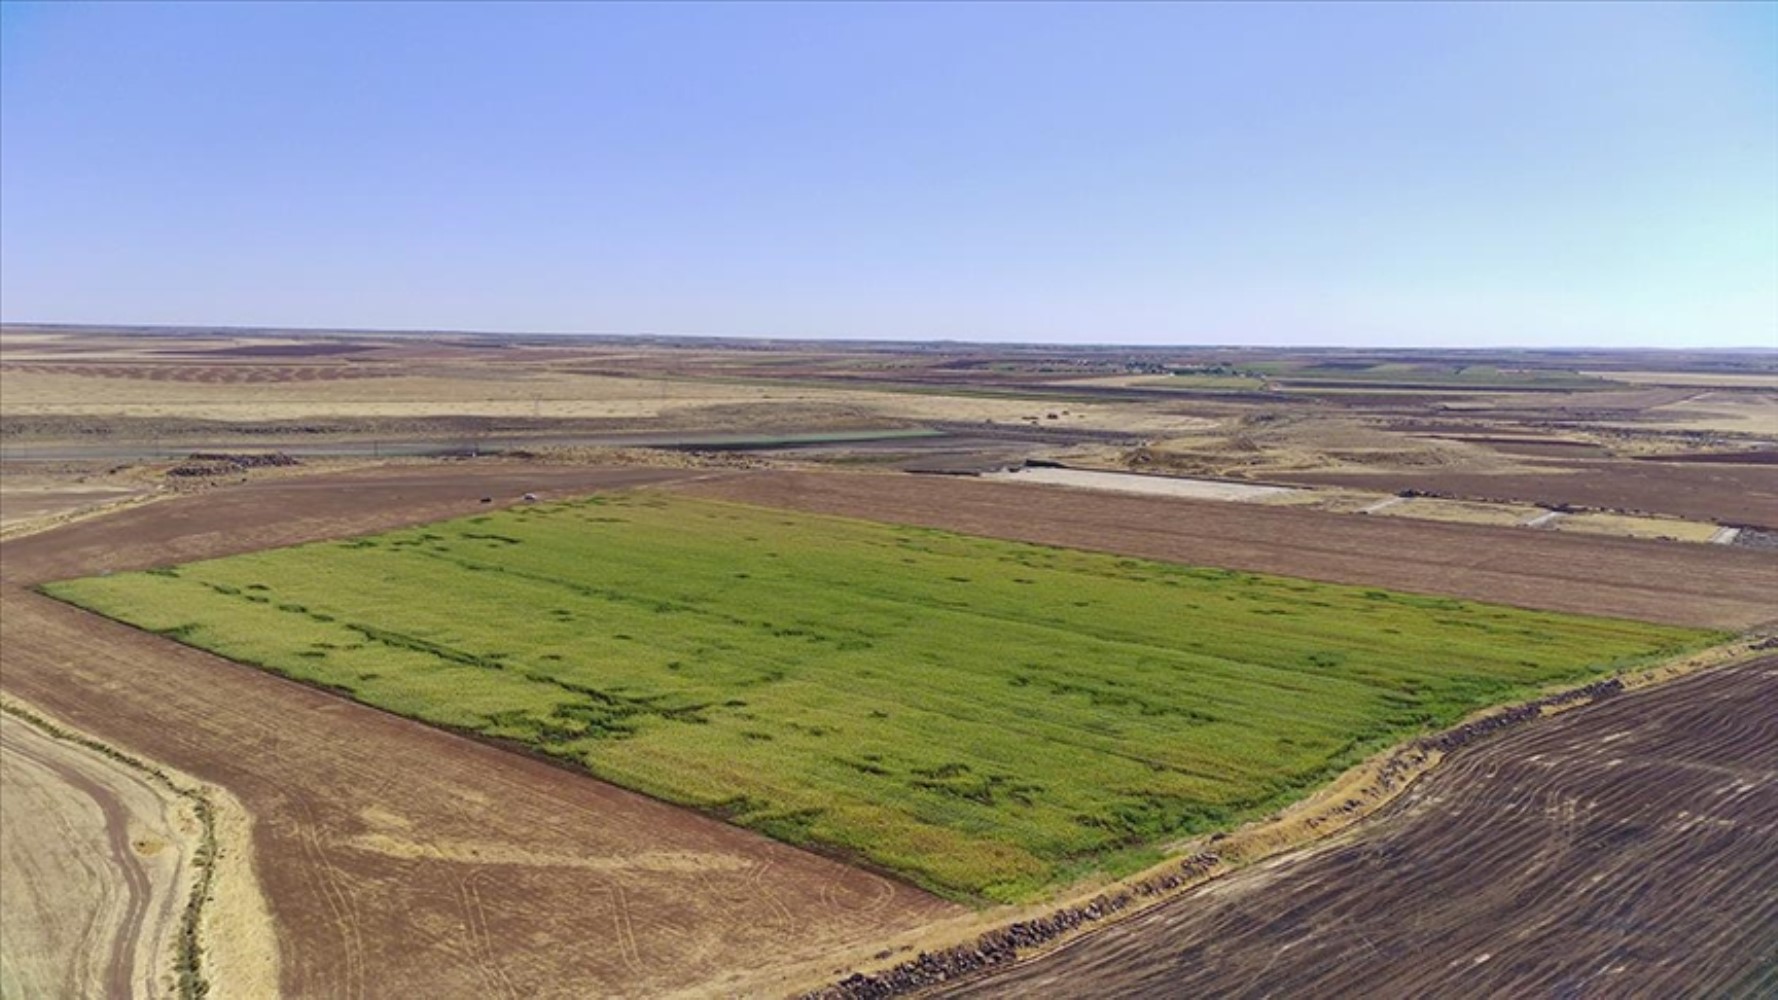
pixel 397 859
pixel 1761 457
pixel 1726 493
pixel 222 374
pixel 1626 849
pixel 1676 583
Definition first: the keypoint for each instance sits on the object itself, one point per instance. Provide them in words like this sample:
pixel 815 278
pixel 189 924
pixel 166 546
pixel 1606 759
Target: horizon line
pixel 403 332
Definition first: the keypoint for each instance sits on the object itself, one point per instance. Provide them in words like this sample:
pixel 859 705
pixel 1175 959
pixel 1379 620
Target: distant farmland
pixel 987 718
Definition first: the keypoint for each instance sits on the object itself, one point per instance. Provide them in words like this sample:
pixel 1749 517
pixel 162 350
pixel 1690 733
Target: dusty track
pixel 398 860
pixel 1664 582
pixel 1630 848
pixel 93 862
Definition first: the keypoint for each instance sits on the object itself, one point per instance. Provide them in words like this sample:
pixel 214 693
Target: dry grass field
pixel 96 859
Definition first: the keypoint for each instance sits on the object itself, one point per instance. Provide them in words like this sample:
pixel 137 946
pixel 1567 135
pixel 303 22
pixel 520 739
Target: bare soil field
pixel 1627 848
pixel 1457 511
pixel 1127 482
pixel 1729 494
pixel 1760 456
pixel 514 384
pixel 1675 583
pixel 396 859
pixel 94 865
pixel 236 374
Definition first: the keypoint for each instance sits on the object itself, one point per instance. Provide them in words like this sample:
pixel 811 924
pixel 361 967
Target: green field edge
pixel 1109 864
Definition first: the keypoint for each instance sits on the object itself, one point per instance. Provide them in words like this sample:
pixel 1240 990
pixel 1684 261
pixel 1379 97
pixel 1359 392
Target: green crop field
pixel 990 719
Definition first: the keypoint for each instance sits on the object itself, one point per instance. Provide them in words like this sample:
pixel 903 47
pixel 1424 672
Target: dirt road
pixel 1669 582
pixel 94 868
pixel 1629 848
pixel 398 860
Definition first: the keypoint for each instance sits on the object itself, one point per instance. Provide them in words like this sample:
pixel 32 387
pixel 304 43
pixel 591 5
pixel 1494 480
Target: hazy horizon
pixel 1365 176
pixel 174 329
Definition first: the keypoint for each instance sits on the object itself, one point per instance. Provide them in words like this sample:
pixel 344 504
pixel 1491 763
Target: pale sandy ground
pixel 1742 412
pixel 97 867
pixel 94 860
pixel 26 503
pixel 1460 511
pixel 1129 482
pixel 1768 380
pixel 1374 504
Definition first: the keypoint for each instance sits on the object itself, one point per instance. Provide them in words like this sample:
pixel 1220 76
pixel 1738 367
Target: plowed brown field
pixel 227 374
pixel 399 860
pixel 1627 849
pixel 1731 494
pixel 1674 583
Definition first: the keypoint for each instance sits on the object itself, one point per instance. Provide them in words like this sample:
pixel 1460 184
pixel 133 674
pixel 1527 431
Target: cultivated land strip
pixel 988 944
pixel 989 718
pixel 1675 583
pixel 1629 847
pixel 397 859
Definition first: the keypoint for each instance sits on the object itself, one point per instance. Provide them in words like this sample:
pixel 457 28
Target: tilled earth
pixel 396 859
pixel 1625 849
pixel 1725 493
pixel 1671 582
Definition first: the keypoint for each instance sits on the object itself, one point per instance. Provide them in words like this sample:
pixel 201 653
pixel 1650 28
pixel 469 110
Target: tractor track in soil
pixel 1626 848
pixel 395 858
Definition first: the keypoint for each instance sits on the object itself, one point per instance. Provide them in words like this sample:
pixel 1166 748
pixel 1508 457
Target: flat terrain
pixel 1678 583
pixel 95 861
pixel 1729 494
pixel 23 505
pixel 479 896
pixel 398 860
pixel 1626 849
pixel 1125 482
pixel 989 718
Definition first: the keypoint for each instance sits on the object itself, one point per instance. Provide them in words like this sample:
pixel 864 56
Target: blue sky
pixel 1404 174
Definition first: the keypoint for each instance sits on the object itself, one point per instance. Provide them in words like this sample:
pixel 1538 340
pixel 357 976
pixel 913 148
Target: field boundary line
pixel 969 950
pixel 50 522
pixel 193 981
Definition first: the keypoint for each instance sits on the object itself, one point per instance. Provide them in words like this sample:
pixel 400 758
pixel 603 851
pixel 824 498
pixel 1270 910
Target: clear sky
pixel 1412 174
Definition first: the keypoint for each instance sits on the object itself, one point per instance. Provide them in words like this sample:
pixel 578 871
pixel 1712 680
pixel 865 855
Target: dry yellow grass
pixel 65 869
pixel 515 391
pixel 1461 511
pixel 1765 380
pixel 1338 501
pixel 1734 412
pixel 1636 527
